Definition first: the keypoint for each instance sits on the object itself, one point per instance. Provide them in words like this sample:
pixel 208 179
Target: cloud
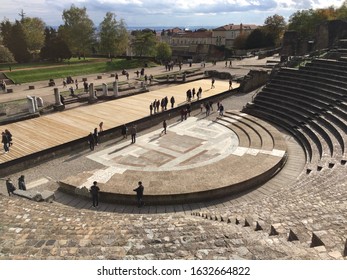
pixel 163 12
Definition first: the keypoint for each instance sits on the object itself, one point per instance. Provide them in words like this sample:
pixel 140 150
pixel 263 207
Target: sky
pixel 170 13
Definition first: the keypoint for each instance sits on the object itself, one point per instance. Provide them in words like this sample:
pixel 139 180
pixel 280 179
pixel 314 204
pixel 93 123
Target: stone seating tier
pixel 334 87
pixel 330 95
pixel 311 149
pixel 290 122
pixel 323 73
pixel 331 135
pixel 316 131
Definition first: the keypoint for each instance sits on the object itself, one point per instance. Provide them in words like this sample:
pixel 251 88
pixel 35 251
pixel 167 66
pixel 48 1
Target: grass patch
pixel 15 66
pixel 73 69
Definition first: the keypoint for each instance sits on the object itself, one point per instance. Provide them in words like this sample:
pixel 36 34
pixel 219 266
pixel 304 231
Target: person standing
pixel 10 187
pixel 151 109
pixel 124 131
pixel 172 101
pixel 133 132
pixel 139 194
pixel 94 190
pixel 5 142
pixel 96 136
pixel 21 183
pixel 212 83
pixel 101 124
pixel 9 137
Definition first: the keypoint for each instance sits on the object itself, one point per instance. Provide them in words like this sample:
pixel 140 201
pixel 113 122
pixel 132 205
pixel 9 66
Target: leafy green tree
pixel 113 36
pixel 259 39
pixel 275 26
pixel 144 43
pixel 5 55
pixel 14 39
pixel 341 13
pixel 78 30
pixel 164 51
pixel 34 33
pixel 55 48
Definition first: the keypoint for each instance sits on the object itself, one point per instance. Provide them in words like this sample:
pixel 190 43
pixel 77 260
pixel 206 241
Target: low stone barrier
pixel 47 196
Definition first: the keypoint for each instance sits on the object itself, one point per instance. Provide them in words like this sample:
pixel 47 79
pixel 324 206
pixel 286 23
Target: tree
pixel 34 33
pixel 259 39
pixel 306 21
pixel 144 43
pixel 77 31
pixel 113 36
pixel 240 41
pixel 164 51
pixel 14 39
pixel 275 26
pixel 341 12
pixel 55 48
pixel 5 55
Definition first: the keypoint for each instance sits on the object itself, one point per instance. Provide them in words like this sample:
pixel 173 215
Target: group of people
pixel 6 140
pixel 191 94
pixel 133 132
pixel 93 137
pixel 156 104
pixel 11 188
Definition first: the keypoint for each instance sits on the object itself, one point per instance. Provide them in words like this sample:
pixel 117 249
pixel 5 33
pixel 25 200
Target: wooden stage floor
pixel 35 135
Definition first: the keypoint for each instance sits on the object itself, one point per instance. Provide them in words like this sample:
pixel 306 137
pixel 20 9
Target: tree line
pixel 30 39
pixel 304 22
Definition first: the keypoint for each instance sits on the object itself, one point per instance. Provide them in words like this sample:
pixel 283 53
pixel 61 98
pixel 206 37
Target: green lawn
pixel 14 66
pixel 72 69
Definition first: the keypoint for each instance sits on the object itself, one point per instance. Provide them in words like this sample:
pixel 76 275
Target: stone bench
pixel 31 87
pixel 47 196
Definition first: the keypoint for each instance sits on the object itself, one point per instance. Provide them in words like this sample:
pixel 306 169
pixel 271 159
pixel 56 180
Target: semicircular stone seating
pixel 305 219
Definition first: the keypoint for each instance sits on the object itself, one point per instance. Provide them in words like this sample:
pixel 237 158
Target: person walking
pixel 101 124
pixel 10 187
pixel 172 101
pixel 151 109
pixel 133 132
pixel 94 190
pixel 212 83
pixel 164 126
pixel 5 142
pixel 139 194
pixel 221 110
pixel 230 84
pixel 91 141
pixel 21 183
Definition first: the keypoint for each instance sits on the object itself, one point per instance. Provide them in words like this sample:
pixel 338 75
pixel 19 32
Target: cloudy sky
pixel 182 13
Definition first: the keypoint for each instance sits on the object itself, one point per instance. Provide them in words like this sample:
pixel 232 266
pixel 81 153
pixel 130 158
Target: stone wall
pixel 253 80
